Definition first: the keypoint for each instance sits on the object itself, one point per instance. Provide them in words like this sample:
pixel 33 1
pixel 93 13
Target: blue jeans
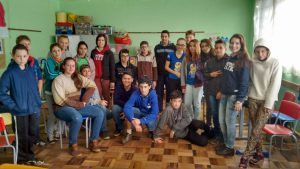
pixel 227 119
pixel 214 110
pixel 74 118
pixel 107 116
pixel 138 115
pixel 116 110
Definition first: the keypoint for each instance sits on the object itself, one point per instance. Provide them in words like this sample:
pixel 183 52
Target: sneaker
pixel 73 149
pixel 35 162
pixel 257 157
pixel 220 147
pixel 93 146
pixel 51 141
pixel 117 133
pixel 106 135
pixel 226 152
pixel 243 162
pixel 127 138
pixel 40 143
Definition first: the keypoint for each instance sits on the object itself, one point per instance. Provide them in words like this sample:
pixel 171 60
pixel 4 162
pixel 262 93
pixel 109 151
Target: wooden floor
pixel 141 152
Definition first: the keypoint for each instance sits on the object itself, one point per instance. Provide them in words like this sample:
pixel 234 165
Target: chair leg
pixel 60 133
pixel 87 133
pixel 270 146
pixel 296 142
pixel 15 155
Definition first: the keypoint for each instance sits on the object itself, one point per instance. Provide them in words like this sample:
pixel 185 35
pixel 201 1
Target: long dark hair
pixel 81 43
pixel 242 55
pixel 74 76
pixel 105 38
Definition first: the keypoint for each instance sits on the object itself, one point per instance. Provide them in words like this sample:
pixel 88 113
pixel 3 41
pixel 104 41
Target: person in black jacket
pixel 105 67
pixel 234 89
pixel 213 74
pixel 162 51
pixel 124 65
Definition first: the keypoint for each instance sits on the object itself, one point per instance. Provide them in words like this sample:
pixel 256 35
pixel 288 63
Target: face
pixel 175 103
pixel 127 80
pixel 82 50
pixel 124 57
pixel 220 50
pixel 145 49
pixel 69 67
pixel 205 47
pixel 56 52
pixel 164 38
pixel 261 53
pixel 189 38
pixel 101 42
pixel 26 43
pixel 180 45
pixel 235 45
pixel 144 89
pixel 63 43
pixel 21 57
pixel 192 47
pixel 86 72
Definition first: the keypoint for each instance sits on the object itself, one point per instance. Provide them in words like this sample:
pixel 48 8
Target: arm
pixel 50 71
pixel 117 97
pixel 244 78
pixel 274 86
pixel 182 74
pixel 111 67
pixel 154 69
pixel 93 68
pixel 161 124
pixel 128 107
pixel 154 110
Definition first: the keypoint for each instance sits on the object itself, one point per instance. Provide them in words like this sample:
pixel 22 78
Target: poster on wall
pixel 2 54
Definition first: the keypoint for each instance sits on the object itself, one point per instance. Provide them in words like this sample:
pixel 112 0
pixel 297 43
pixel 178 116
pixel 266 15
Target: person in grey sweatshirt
pixel 181 122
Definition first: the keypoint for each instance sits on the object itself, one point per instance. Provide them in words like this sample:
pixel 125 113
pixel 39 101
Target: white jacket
pixel 265 77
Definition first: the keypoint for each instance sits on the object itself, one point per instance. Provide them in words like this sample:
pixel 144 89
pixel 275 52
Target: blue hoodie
pixel 235 81
pixel 23 98
pixel 147 105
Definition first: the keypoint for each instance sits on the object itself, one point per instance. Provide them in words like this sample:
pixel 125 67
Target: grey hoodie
pixel 265 77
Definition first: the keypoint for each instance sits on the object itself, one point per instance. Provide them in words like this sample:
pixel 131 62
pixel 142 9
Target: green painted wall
pixel 30 14
pixel 219 17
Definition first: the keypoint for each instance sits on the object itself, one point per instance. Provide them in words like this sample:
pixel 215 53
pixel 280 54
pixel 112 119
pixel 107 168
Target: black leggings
pixel 193 136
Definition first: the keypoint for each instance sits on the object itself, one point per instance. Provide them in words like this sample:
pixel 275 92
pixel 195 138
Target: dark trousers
pixel 36 127
pixel 26 135
pixel 193 136
pixel 172 84
pixel 160 87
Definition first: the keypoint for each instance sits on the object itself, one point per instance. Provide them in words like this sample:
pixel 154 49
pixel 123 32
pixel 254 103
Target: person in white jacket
pixel 265 74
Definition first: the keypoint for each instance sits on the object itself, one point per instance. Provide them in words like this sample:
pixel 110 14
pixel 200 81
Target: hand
pixel 172 134
pixel 177 74
pixel 238 106
pixel 103 103
pixel 136 122
pixel 218 95
pixel 138 128
pixel 153 84
pixel 112 85
pixel 215 73
pixel 158 140
pixel 267 110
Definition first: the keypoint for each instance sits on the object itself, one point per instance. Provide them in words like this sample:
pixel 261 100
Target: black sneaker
pixel 106 135
pixel 127 138
pixel 226 152
pixel 40 143
pixel 51 141
pixel 117 133
pixel 35 162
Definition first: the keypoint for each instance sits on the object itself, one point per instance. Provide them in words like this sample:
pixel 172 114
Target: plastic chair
pixel 290 96
pixel 6 140
pixel 88 123
pixel 277 130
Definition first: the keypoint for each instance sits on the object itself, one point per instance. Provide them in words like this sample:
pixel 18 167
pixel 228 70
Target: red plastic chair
pixel 290 96
pixel 277 130
pixel 6 140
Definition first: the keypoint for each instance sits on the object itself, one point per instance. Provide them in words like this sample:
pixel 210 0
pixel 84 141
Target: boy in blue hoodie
pixel 141 109
pixel 23 101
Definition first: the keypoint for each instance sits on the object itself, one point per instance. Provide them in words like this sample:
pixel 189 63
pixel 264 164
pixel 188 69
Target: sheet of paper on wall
pixel 3 32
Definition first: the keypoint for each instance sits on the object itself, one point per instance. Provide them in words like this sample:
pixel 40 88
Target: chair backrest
pixel 2 125
pixel 290 108
pixel 290 96
pixel 7 118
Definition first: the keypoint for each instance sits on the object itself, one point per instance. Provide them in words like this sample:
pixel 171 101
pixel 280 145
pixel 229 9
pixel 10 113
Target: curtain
pixel 279 20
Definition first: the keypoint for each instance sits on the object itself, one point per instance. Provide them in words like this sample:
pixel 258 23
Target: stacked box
pixel 82 28
pixel 63 28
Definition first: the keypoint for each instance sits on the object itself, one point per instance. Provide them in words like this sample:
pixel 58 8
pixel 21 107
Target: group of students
pixel 79 86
